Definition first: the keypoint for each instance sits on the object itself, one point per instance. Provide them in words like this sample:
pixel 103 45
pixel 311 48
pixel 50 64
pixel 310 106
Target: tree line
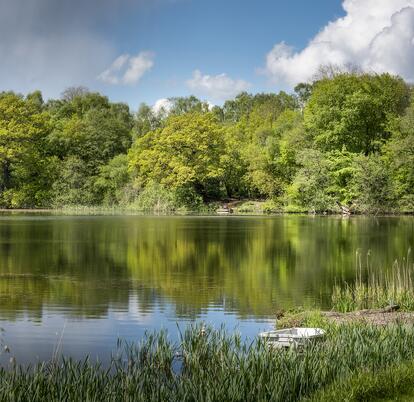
pixel 345 139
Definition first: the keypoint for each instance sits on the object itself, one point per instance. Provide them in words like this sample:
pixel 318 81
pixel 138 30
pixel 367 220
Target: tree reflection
pixel 253 266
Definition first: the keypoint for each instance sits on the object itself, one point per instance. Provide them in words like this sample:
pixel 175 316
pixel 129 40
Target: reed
pixel 212 365
pixel 375 289
pixel 394 383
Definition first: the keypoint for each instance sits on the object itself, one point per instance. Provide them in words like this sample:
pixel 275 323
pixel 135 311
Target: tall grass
pixel 212 365
pixel 392 383
pixel 374 289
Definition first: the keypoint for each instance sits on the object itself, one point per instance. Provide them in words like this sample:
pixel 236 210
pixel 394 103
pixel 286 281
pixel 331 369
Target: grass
pixel 377 288
pixel 212 365
pixel 394 383
pixel 302 318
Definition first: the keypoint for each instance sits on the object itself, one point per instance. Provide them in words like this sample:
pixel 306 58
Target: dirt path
pixel 377 317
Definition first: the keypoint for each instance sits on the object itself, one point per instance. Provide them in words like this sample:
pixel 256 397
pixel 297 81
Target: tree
pixel 354 111
pixel 112 181
pixel 24 172
pixel 399 154
pixel 303 93
pixel 88 132
pixel 269 120
pixel 310 187
pixel 190 104
pixel 146 120
pixel 186 153
pixel 73 185
pixel 233 110
pixel 372 186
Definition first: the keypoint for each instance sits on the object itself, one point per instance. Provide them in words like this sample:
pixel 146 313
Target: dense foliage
pixel 346 139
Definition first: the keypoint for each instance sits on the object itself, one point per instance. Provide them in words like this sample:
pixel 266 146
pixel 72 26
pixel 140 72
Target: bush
pixel 310 187
pixel 157 198
pixel 372 185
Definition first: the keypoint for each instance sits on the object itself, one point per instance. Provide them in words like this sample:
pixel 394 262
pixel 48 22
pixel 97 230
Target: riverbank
pixel 240 208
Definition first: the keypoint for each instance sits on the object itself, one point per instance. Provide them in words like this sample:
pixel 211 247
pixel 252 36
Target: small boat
pixel 292 337
pixel 222 211
pixel 225 210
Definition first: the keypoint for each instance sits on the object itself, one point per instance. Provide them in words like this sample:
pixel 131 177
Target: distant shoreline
pixel 125 211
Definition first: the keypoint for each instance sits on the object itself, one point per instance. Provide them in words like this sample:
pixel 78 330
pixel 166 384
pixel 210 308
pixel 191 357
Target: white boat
pixel 292 337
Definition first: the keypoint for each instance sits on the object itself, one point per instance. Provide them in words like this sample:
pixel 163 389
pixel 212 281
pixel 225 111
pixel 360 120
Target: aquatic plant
pixel 212 365
pixel 391 383
pixel 374 288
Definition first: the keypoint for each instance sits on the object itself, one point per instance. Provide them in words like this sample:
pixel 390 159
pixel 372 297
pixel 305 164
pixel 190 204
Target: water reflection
pixel 85 266
pixel 82 282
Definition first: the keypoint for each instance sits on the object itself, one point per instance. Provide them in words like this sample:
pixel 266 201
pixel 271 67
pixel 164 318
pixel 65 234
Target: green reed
pixel 212 365
pixel 374 289
pixel 392 383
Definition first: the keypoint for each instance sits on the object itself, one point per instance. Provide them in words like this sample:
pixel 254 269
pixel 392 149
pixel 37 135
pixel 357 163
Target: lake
pixel 75 284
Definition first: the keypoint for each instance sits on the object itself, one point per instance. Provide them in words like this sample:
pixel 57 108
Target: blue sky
pixel 145 50
pixel 215 37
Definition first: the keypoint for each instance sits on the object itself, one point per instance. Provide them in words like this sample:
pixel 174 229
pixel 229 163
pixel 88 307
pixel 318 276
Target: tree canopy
pixel 346 138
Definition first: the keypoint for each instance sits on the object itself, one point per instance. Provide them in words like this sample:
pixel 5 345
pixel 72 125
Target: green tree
pixel 270 151
pixel 399 153
pixel 372 185
pixel 112 181
pixel 91 128
pixel 73 185
pixel 354 110
pixel 310 189
pixel 186 153
pixel 303 93
pixel 24 166
pixel 88 132
pixel 190 104
pixel 146 120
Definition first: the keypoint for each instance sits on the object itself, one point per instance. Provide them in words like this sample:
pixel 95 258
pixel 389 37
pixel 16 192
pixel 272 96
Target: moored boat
pixel 292 337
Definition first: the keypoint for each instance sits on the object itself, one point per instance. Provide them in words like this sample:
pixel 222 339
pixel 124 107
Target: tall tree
pixel 353 111
pixel 24 167
pixel 186 153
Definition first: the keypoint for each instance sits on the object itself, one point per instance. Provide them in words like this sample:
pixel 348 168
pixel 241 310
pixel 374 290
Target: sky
pixel 149 50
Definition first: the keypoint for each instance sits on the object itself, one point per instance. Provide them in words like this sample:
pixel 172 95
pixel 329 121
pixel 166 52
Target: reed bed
pixel 394 383
pixel 212 365
pixel 374 289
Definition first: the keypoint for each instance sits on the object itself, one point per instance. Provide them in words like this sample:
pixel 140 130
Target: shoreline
pixel 128 211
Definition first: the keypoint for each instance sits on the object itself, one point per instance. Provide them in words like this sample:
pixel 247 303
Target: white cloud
pixel 127 69
pixel 219 87
pixel 110 75
pixel 137 67
pixel 211 105
pixel 376 35
pixel 162 105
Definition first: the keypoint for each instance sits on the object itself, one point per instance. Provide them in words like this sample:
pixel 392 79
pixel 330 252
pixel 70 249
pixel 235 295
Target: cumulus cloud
pixel 219 87
pixel 109 76
pixel 127 69
pixel 376 35
pixel 163 105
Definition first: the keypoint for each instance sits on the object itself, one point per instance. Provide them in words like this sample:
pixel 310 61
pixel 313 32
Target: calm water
pixel 83 282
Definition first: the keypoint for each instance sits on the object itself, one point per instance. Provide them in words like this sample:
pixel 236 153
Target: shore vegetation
pixel 344 140
pixel 212 365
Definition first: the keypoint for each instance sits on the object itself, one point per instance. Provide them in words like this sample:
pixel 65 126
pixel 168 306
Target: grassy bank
pixel 394 383
pixel 215 366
